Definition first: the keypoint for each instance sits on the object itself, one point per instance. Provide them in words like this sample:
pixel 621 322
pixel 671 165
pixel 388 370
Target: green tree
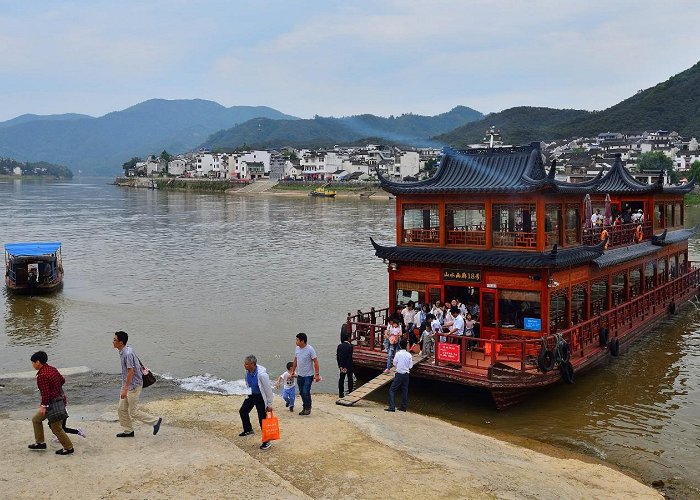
pixel 657 160
pixel 165 156
pixel 695 169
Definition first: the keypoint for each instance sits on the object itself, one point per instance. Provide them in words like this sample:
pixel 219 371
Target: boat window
pixel 421 224
pixel 488 310
pixel 661 272
pixel 678 214
pixel 681 263
pixel 673 267
pixel 619 289
pixel 649 272
pixel 557 311
pixel 552 224
pixel 519 309
pixel 663 215
pixel 573 224
pixel 635 288
pixel 514 225
pixel 406 291
pixel 579 304
pixel 466 224
pixel 599 297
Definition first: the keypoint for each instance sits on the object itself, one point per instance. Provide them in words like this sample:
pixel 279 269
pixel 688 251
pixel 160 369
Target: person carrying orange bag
pixel 270 428
pixel 260 397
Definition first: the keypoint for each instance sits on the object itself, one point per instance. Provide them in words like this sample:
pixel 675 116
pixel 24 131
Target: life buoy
pixel 614 347
pixel 564 352
pixel 603 337
pixel 672 307
pixel 545 360
pixel 638 234
pixel 567 372
pixel 604 236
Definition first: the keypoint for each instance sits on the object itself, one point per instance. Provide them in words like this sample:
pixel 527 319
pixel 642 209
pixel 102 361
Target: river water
pixel 199 281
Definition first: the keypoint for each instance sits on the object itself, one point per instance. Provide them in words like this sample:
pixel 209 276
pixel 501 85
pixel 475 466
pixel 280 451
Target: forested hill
pixel 37 169
pixel 326 132
pixel 670 105
pixel 101 145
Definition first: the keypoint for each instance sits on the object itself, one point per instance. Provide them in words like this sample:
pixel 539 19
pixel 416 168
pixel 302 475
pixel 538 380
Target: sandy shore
pixel 336 452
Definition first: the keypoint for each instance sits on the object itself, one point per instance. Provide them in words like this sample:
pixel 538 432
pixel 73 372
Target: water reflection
pixel 32 320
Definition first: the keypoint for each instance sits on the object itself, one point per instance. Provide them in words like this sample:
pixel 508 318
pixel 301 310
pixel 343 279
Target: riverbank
pixel 336 452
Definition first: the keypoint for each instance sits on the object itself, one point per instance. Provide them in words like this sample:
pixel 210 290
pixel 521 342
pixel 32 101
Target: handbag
pixel 270 427
pixel 146 375
pixel 56 412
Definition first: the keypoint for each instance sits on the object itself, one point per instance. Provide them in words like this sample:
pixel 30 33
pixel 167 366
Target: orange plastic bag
pixel 270 428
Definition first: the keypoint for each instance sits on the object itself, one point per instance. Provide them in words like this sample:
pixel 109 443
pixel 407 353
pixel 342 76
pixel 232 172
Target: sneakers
pixel 81 432
pixel 37 446
pixel 305 411
pixel 245 433
pixel 291 408
pixel 286 404
pixel 64 452
pixel 126 434
pixel 266 445
pixel 156 427
pixel 387 370
pixel 389 409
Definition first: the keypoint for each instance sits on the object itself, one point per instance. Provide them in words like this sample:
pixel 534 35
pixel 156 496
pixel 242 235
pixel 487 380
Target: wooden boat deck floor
pixel 376 383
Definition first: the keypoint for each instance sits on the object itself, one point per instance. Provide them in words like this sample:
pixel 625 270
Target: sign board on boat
pixel 448 352
pixel 465 275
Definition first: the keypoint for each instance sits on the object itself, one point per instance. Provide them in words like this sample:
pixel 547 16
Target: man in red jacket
pixel 50 383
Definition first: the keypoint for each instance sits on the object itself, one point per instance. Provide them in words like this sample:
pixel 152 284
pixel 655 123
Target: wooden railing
pixel 466 237
pixel 421 235
pixel 618 236
pixel 478 354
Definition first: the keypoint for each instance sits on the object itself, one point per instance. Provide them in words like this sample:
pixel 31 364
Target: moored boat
pixel 33 267
pixel 555 290
pixel 323 191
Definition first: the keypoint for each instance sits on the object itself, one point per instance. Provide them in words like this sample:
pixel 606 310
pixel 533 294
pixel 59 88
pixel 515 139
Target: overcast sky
pixel 337 58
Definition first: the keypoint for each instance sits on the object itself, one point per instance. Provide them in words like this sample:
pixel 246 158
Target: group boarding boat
pixel 557 294
pixel 33 267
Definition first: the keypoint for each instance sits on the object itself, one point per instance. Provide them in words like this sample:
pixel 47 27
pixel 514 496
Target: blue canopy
pixel 31 249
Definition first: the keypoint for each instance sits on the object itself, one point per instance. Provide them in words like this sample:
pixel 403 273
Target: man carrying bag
pixel 260 398
pixel 50 383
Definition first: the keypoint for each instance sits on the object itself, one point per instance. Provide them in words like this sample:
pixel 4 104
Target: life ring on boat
pixel 545 360
pixel 604 236
pixel 638 234
pixel 564 351
pixel 567 372
pixel 614 347
pixel 672 307
pixel 603 337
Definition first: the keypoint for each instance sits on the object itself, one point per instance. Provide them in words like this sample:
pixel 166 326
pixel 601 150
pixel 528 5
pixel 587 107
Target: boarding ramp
pixel 376 383
pixel 258 187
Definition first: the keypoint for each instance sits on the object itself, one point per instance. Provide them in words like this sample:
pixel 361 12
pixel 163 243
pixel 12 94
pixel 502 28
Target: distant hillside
pixel 33 118
pixel 671 105
pixel 101 145
pixel 325 132
pixel 38 169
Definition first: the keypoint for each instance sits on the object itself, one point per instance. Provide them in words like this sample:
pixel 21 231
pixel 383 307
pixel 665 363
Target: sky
pixel 339 58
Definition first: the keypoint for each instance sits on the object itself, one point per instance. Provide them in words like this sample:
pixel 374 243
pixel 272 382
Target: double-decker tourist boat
pixel 556 287
pixel 33 267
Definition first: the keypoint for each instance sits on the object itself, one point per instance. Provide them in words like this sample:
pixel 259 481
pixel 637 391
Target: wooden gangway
pixel 376 383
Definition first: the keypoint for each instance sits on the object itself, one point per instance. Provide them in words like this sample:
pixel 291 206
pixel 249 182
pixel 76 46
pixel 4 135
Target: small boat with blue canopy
pixel 33 267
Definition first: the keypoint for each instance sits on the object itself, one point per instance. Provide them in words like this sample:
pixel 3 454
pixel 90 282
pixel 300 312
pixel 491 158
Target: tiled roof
pixel 519 170
pixel 555 259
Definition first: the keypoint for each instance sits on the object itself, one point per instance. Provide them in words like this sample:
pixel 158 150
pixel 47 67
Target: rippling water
pixel 199 281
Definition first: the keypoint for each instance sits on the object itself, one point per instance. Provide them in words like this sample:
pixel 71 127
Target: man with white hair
pixel 260 398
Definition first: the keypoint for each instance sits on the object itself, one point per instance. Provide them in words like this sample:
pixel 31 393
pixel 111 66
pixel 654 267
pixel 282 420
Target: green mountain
pixel 671 105
pixel 101 145
pixel 37 169
pixel 326 132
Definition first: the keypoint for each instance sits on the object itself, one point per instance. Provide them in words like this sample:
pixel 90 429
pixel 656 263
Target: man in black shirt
pixel 344 358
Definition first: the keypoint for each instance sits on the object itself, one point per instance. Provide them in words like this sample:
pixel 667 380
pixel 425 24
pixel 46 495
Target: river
pixel 199 281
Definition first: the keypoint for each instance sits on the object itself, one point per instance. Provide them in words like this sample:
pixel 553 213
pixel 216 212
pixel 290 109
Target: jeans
pixel 253 401
pixel 400 383
pixel 288 394
pixel 304 384
pixel 391 351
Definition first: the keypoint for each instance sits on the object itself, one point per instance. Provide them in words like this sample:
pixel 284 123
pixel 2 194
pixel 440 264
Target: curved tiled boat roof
pixel 519 170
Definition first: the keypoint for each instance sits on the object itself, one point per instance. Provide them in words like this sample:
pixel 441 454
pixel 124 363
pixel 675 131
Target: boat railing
pixel 618 236
pixel 479 354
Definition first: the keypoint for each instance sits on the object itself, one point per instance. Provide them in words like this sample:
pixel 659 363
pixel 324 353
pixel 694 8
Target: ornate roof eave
pixel 554 259
pixel 637 250
pixel 683 188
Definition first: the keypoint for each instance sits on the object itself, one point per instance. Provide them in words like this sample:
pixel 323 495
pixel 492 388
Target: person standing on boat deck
pixel 408 314
pixel 132 385
pixel 343 356
pixel 306 369
pixel 403 361
pixel 437 310
pixel 457 326
pixel 50 384
pixel 260 397
pixel 392 335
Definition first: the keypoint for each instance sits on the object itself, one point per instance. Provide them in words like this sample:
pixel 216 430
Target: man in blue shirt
pixel 260 398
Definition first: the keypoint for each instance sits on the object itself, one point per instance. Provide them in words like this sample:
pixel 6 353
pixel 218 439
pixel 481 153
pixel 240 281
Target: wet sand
pixel 336 452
